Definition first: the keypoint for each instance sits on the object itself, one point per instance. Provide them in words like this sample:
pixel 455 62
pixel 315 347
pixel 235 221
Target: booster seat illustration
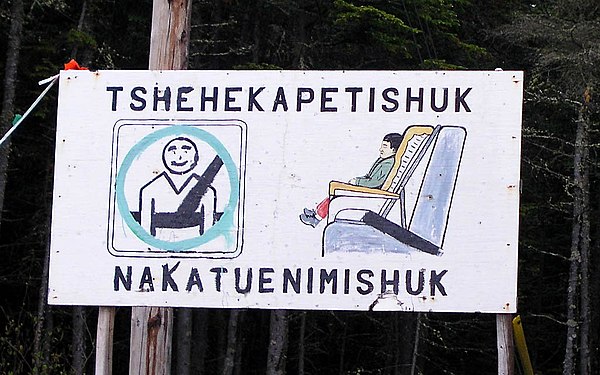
pixel 410 212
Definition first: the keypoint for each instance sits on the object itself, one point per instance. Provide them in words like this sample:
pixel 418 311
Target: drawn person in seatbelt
pixel 179 204
pixel 375 178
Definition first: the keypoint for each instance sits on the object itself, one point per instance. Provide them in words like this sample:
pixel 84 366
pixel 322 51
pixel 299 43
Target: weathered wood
pixel 504 332
pixel 152 327
pixel 150 342
pixel 521 346
pixel 169 38
pixel 104 340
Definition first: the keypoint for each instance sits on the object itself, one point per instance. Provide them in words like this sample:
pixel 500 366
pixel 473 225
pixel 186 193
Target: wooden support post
pixel 150 345
pixel 152 327
pixel 104 340
pixel 170 34
pixel 504 332
pixel 521 345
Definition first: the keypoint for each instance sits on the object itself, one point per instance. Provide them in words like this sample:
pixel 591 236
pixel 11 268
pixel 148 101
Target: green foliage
pixel 81 39
pixel 256 66
pixel 439 64
pixel 57 5
pixel 372 26
pixel 16 347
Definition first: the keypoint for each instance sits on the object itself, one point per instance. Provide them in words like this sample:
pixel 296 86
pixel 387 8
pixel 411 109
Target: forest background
pixel 556 43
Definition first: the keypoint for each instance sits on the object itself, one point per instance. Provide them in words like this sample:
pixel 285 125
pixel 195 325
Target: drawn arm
pixel 146 209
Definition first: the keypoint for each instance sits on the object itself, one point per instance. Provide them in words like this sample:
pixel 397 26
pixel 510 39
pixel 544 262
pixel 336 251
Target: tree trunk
pixel 41 309
pixel 578 325
pixel 232 336
pixel 238 369
pixel 415 352
pixel 80 28
pixel 45 355
pixel 302 343
pixel 184 340
pixel 584 311
pixel 300 42
pixel 10 84
pixel 343 350
pixel 408 342
pixel 278 338
pixel 78 340
pixel 199 338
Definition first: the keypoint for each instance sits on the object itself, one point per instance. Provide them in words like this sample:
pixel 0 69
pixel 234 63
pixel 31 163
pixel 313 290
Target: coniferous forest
pixel 555 42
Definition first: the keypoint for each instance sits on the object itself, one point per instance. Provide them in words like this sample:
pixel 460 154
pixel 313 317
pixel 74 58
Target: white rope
pixel 52 80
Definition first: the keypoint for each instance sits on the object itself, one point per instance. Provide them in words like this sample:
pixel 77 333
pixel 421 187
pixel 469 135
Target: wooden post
pixel 521 345
pixel 104 340
pixel 504 332
pixel 170 34
pixel 150 343
pixel 152 327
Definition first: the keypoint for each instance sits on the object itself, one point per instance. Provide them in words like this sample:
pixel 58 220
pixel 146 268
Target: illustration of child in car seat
pixel 375 178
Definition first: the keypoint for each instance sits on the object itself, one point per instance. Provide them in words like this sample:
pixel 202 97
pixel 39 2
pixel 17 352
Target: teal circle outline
pixel 222 227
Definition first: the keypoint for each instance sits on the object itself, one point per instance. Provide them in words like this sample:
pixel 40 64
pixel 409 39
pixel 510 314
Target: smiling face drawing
pixel 180 155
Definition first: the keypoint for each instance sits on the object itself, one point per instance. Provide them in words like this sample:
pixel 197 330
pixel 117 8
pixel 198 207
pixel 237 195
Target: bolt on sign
pixel 354 190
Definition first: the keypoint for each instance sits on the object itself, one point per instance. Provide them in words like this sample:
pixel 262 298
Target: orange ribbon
pixel 73 65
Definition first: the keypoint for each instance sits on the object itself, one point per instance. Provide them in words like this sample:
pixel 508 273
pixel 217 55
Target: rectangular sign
pixel 356 190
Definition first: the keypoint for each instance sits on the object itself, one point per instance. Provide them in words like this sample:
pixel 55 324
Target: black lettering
pixel 137 98
pixel 309 282
pixel 125 280
pixel 280 100
pixel 420 285
pixel 328 278
pixel 369 285
pixel 410 99
pixel 114 90
pixel 252 99
pixel 326 99
pixel 289 279
pixel 435 282
pixel 204 99
pixel 444 103
pixel 301 100
pixel 386 97
pixel 166 98
pixel 167 280
pixel 239 289
pixel 395 282
pixel 346 281
pixel 372 99
pixel 147 279
pixel 218 271
pixel 181 91
pixel 194 279
pixel 460 100
pixel 353 91
pixel 263 279
pixel 229 99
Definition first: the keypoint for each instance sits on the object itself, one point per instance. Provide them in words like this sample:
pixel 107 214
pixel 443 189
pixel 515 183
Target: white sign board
pixel 288 189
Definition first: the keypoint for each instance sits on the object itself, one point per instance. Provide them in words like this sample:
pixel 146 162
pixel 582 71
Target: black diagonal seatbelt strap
pixel 191 201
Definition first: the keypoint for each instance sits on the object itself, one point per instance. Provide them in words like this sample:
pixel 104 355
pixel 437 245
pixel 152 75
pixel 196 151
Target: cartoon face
pixel 386 150
pixel 180 155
